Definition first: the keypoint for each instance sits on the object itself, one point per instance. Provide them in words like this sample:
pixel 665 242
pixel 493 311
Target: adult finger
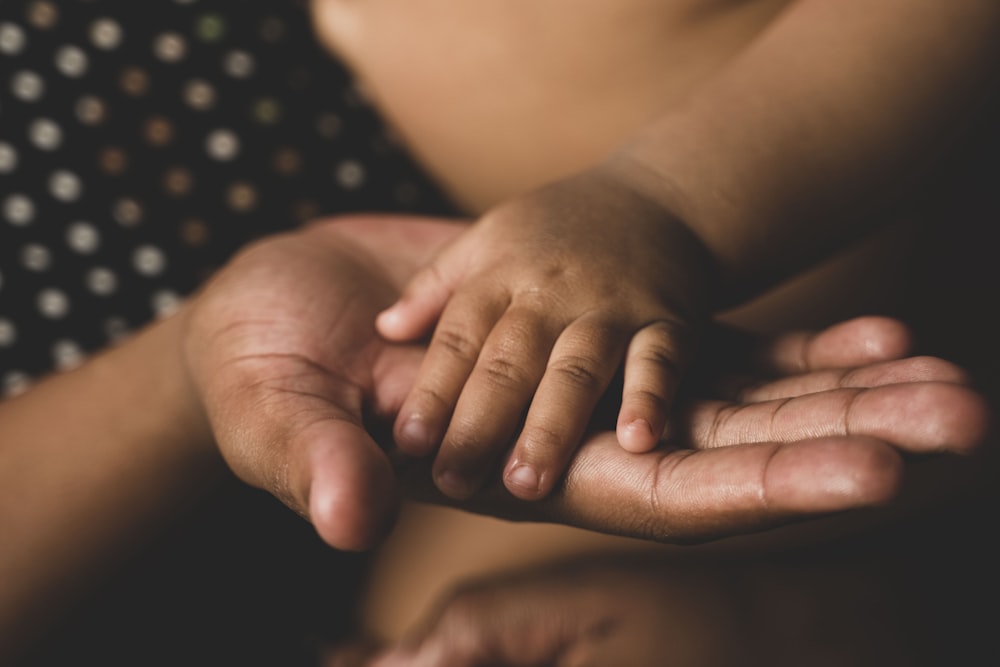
pixel 918 417
pixel 912 369
pixel 754 471
pixel 855 342
pixel 683 496
pixel 288 427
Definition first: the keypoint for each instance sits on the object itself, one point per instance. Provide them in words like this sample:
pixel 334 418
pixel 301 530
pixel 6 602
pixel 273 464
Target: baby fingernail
pixel 453 484
pixel 414 435
pixel 637 435
pixel 524 477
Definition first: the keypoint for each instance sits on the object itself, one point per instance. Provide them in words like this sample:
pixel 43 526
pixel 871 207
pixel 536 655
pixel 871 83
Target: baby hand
pixel 536 306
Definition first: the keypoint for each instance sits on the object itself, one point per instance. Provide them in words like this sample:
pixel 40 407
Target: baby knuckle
pixel 430 398
pixel 660 355
pixel 646 397
pixel 504 373
pixel 456 342
pixel 538 438
pixel 577 371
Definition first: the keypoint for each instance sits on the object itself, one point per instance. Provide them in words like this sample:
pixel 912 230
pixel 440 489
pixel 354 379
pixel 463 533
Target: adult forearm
pixel 788 153
pixel 88 460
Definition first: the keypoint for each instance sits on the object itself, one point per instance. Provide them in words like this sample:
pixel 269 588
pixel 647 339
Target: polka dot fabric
pixel 142 143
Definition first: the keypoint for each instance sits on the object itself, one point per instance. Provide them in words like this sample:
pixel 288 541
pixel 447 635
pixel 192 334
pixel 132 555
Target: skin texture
pixel 546 298
pixel 275 364
pixel 700 209
pixel 290 405
pixel 289 413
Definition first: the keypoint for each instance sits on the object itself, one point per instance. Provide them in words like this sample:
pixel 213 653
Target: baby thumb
pixel 422 301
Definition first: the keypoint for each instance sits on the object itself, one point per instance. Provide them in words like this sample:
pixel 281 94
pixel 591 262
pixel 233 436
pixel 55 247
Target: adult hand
pixel 283 349
pixel 815 424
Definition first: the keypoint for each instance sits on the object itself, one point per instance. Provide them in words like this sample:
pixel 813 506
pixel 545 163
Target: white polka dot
pixel 170 47
pixel 239 64
pixel 15 383
pixel 83 237
pixel 127 212
pixel 222 145
pixel 105 34
pixel 67 354
pixel 149 260
pixel 36 257
pixel 165 302
pixel 45 134
pixel 350 174
pixel 65 185
pixel 199 95
pixel 52 303
pixel 8 332
pixel 71 61
pixel 18 210
pixel 27 86
pixel 12 39
pixel 102 281
pixel 8 158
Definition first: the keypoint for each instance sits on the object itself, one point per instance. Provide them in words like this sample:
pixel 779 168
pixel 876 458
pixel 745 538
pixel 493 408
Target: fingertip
pixel 404 321
pixel 523 481
pixel 414 435
pixel 637 436
pixel 460 479
pixel 353 500
pixel 453 484
pixel 896 339
pixel 833 474
pixel 967 420
pixel 389 322
pixel 862 340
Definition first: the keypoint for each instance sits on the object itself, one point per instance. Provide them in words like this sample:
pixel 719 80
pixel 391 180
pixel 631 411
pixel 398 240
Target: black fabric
pixel 141 144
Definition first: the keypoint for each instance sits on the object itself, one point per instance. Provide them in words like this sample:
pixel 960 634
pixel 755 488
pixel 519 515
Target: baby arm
pixel 792 152
pixel 766 170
